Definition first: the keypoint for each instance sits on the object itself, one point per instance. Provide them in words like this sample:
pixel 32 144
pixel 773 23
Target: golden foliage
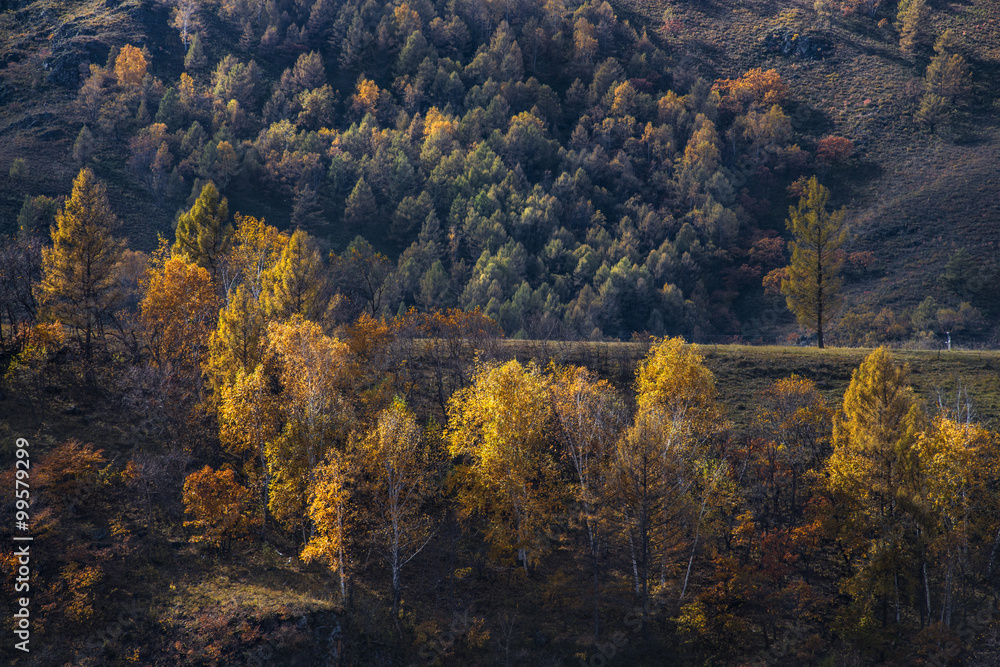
pixel 178 311
pixel 329 510
pixel 756 88
pixel 673 379
pixel 219 504
pixel 314 372
pixel 294 285
pixel 239 339
pixel 130 66
pixel 499 426
pixel 812 283
pixel 79 285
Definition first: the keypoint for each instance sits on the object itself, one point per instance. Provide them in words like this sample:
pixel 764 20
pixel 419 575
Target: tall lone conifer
pixel 812 286
pixel 79 286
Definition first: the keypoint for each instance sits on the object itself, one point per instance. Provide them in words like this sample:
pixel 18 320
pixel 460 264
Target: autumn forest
pixel 499 332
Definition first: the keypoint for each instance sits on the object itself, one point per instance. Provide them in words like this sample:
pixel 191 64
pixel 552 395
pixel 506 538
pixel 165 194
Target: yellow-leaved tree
pixel 811 284
pixel 960 467
pixel 330 511
pixel 295 284
pixel 793 424
pixel 663 480
pixel 255 248
pixel 249 420
pixel 499 427
pixel 397 471
pixel 130 66
pixel 79 286
pixel 873 474
pixel 590 416
pixel 314 372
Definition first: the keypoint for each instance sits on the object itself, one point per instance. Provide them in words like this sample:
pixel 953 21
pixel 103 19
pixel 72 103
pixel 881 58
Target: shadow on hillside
pixel 866 170
pixel 809 119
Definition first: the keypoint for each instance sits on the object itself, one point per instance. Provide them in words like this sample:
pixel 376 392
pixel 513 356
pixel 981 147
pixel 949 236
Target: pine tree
pixel 812 285
pixel 79 286
pixel 203 233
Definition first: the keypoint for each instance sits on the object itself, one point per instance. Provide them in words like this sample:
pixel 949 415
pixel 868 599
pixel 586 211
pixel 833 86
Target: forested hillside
pixel 572 172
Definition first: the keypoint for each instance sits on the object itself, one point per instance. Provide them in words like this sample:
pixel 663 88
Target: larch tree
pixel 499 426
pixel 872 473
pixel 812 283
pixel 239 339
pixel 397 474
pixel 203 233
pixel 295 284
pixel 79 279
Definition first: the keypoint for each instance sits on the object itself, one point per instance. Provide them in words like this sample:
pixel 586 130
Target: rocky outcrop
pixel 71 55
pixel 794 45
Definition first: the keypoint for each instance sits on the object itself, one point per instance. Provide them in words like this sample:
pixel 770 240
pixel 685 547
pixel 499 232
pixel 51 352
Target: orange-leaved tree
pixel 219 505
pixel 130 66
pixel 178 311
pixel 756 88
